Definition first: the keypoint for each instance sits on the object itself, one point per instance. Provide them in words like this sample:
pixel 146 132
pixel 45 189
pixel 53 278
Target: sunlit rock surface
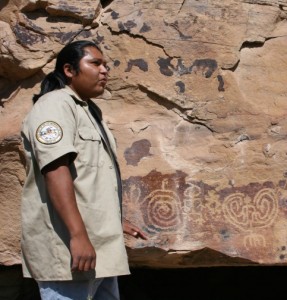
pixel 197 100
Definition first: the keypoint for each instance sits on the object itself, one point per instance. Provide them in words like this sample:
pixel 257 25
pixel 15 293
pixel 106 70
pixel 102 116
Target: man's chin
pixel 104 94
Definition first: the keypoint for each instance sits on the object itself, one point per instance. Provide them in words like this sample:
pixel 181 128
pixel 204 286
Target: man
pixel 72 237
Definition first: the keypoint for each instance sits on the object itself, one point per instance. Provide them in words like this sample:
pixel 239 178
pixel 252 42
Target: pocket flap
pixel 90 134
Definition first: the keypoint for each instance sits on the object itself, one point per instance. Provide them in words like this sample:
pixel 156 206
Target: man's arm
pixel 60 187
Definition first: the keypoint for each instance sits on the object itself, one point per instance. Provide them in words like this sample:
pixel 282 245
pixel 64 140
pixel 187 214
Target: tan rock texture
pixel 197 100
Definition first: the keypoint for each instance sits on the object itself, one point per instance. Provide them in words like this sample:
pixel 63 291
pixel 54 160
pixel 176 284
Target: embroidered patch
pixel 49 133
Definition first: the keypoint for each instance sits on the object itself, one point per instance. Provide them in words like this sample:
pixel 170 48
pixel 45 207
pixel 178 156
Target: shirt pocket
pixel 89 146
pixel 102 223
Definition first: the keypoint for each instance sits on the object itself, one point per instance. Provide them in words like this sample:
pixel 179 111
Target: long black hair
pixel 70 54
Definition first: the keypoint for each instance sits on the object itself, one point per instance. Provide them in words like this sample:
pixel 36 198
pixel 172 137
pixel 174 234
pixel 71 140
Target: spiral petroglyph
pixel 247 213
pixel 162 210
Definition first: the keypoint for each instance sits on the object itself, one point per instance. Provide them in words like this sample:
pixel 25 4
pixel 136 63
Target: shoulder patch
pixel 49 133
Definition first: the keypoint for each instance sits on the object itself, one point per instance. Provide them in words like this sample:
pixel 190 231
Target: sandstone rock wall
pixel 197 100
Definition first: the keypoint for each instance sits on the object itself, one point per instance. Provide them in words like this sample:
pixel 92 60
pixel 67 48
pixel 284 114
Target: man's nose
pixel 104 69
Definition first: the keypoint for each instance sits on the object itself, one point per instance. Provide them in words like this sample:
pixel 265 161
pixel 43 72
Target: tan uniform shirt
pixel 58 124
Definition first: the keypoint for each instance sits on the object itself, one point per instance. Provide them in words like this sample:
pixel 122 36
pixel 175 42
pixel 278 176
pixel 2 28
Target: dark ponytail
pixel 70 54
pixel 51 82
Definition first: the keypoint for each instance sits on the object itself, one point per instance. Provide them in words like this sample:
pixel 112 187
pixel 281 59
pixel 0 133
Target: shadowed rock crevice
pixel 71 9
pixel 202 122
pixel 233 68
pixel 181 6
pixel 261 2
pixel 106 3
pixel 283 7
pixel 3 3
pixel 159 258
pixel 244 45
pixel 10 89
pixel 170 105
pixel 251 45
pixel 160 100
pixel 138 36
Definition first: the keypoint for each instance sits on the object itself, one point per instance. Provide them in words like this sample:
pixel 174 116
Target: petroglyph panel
pixel 236 219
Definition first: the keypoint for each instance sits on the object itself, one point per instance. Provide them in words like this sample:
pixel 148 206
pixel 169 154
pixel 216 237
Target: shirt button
pixel 111 167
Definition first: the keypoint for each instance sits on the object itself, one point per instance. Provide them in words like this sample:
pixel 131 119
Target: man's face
pixel 92 77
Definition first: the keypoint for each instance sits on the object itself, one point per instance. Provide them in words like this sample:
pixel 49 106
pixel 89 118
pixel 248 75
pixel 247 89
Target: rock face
pixel 197 102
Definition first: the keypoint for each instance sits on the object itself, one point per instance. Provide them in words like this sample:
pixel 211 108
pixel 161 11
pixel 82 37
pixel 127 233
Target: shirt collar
pixel 75 96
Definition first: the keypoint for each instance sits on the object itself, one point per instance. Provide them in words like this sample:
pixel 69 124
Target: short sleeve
pixel 50 128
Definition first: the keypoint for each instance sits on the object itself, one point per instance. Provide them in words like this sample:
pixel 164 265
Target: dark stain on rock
pixel 182 36
pixel 181 69
pixel 27 37
pixel 140 63
pixel 282 256
pixel 29 24
pixel 85 34
pixel 114 15
pixel 129 25
pixel 206 66
pixel 181 86
pixel 121 26
pixel 145 28
pixel 221 83
pixel 137 151
pixel 126 26
pixel 116 63
pixel 283 203
pixel 99 39
pixel 282 184
pixel 176 27
pixel 165 67
pixel 64 37
pixel 225 234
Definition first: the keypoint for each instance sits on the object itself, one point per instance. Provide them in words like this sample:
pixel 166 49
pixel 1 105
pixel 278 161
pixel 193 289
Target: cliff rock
pixel 196 100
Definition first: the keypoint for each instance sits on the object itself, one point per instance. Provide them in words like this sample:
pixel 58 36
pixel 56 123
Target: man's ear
pixel 69 71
